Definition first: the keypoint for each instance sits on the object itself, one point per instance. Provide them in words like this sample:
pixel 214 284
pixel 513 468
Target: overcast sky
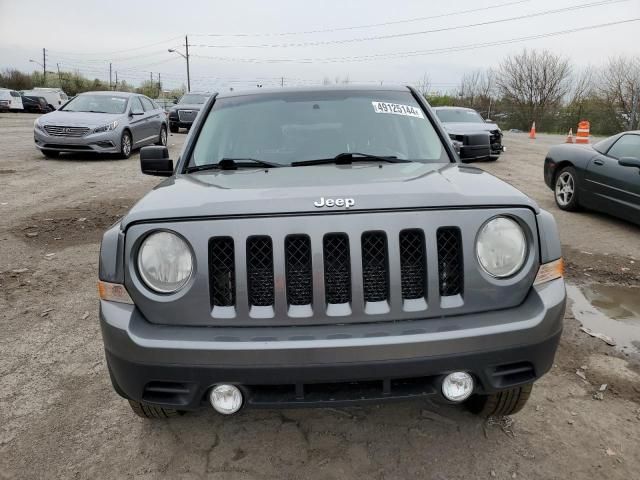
pixel 304 41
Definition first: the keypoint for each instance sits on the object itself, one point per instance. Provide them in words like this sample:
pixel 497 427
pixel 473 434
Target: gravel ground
pixel 59 417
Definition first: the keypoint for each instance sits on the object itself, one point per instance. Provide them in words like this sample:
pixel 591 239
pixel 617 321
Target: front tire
pixel 502 403
pixel 125 145
pixel 149 411
pixel 162 138
pixel 565 189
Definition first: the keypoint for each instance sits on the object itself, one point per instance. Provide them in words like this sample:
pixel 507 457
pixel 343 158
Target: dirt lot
pixel 59 417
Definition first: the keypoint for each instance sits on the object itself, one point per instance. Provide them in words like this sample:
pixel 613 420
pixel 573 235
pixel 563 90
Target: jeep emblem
pixel 335 202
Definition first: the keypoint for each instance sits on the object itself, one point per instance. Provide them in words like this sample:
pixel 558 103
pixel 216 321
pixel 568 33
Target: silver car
pixel 101 122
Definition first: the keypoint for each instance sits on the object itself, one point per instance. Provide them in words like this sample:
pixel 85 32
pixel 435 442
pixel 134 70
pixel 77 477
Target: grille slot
pixel 222 272
pixel 375 267
pixel 412 264
pixel 299 272
pixel 450 272
pixel 337 268
pixel 60 131
pixel 260 271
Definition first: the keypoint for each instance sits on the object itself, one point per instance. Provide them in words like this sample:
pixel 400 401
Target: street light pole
pixel 186 57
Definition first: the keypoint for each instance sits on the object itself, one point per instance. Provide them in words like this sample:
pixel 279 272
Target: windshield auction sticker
pixel 397 109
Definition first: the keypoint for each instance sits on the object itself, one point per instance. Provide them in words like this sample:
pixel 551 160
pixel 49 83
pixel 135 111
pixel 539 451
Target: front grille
pixel 222 272
pixel 59 131
pixel 298 270
pixel 260 271
pixel 187 115
pixel 337 268
pixel 450 261
pixel 412 264
pixel 299 275
pixel 375 268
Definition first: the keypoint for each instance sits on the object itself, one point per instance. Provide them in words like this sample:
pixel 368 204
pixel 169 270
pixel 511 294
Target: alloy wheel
pixel 565 187
pixel 126 145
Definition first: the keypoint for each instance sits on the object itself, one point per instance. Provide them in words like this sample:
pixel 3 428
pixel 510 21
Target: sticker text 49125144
pixel 397 109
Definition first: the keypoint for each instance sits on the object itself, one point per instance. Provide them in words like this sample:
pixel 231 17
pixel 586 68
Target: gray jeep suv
pixel 326 247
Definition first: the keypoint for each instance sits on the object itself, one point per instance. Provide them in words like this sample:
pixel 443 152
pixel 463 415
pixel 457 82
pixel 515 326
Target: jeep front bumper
pixel 174 366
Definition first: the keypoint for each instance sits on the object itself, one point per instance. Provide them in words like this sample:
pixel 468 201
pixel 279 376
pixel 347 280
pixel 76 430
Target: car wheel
pixel 50 153
pixel 174 128
pixel 149 411
pixel 125 145
pixel 566 189
pixel 502 403
pixel 162 139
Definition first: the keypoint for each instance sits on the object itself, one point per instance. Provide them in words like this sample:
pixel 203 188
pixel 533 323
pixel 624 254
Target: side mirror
pixel 629 162
pixel 475 146
pixel 154 160
pixel 136 112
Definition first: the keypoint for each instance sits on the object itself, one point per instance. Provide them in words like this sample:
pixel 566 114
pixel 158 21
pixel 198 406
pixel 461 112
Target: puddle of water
pixel 611 310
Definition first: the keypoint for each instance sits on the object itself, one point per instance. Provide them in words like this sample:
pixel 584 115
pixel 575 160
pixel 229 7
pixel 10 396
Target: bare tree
pixel 471 87
pixel 424 85
pixel 533 82
pixel 620 85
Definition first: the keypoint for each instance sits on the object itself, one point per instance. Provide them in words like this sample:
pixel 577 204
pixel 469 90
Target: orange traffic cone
pixel 570 136
pixel 532 133
pixel 582 135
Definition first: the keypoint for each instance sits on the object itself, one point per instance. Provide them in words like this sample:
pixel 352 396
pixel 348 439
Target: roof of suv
pixel 322 88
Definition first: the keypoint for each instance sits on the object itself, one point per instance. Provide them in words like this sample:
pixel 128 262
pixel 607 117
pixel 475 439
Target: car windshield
pixel 282 128
pixel 193 99
pixel 97 103
pixel 459 115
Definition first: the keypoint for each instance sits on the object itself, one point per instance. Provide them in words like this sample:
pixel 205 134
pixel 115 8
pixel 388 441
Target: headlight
pixel 165 262
pixel 106 128
pixel 501 247
pixel 37 126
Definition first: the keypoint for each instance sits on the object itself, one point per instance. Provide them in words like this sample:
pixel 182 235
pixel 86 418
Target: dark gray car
pixel 101 122
pixel 184 113
pixel 323 247
pixel 461 123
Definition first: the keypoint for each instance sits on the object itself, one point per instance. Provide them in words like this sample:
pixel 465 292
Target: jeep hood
pixel 294 190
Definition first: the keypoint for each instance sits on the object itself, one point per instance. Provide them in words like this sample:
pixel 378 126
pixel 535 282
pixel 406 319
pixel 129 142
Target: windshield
pixel 282 128
pixel 455 115
pixel 193 99
pixel 97 103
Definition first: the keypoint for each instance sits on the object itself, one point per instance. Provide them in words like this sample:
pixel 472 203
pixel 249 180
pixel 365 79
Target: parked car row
pixel 38 100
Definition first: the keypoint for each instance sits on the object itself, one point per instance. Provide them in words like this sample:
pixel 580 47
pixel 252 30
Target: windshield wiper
pixel 233 164
pixel 350 157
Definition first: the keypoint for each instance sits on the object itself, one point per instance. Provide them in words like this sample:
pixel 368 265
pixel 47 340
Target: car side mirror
pixel 629 162
pixel 474 146
pixel 136 112
pixel 154 160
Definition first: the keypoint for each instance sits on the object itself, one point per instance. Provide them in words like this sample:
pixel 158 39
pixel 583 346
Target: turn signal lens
pixel 550 271
pixel 114 292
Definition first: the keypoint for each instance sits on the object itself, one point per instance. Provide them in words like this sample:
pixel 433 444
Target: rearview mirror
pixel 629 162
pixel 136 112
pixel 154 160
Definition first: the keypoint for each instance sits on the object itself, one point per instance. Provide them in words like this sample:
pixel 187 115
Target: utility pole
pixel 186 57
pixel 116 87
pixel 282 82
pixel 110 84
pixel 59 74
pixel 44 65
pixel 186 47
pixel 159 86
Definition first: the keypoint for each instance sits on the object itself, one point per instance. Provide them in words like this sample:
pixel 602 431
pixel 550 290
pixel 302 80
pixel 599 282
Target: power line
pixel 456 48
pixel 422 32
pixel 356 27
pixel 122 51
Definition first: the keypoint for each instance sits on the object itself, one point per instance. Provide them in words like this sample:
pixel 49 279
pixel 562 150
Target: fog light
pixel 225 399
pixel 457 386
